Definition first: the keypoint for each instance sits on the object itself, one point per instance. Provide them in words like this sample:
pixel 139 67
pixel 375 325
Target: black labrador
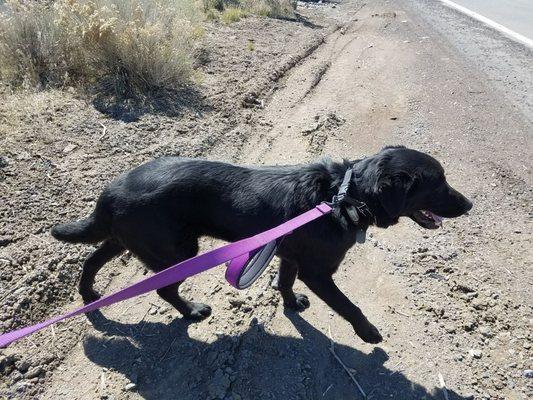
pixel 159 210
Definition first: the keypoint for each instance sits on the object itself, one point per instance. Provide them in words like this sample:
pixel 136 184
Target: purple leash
pixel 237 253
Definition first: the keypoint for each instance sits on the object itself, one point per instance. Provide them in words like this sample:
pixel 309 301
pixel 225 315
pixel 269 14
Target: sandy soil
pixel 344 81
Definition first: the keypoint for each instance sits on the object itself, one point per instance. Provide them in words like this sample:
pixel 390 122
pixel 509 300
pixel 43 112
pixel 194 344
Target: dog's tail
pixel 92 229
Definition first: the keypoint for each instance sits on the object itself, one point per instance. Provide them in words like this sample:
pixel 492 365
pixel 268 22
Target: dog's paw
pixel 299 303
pixel 369 333
pixel 198 311
pixel 89 295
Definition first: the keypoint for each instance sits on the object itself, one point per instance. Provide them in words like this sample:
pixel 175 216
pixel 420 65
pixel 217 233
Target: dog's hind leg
pixel 92 265
pixel 189 309
pixel 284 282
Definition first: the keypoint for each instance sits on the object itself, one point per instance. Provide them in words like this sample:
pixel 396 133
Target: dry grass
pixel 129 48
pixel 229 11
pixel 135 49
pixel 270 8
pixel 232 14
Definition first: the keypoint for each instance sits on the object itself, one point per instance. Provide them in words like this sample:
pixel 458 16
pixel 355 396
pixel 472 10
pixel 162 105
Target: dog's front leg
pixel 327 290
pixel 284 282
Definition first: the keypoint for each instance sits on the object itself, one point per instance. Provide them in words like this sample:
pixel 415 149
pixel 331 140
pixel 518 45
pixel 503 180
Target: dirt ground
pixel 343 81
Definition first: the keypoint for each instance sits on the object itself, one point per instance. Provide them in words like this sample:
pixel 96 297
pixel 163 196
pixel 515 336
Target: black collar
pixel 354 208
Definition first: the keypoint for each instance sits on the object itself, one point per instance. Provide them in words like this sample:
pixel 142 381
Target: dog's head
pixel 403 182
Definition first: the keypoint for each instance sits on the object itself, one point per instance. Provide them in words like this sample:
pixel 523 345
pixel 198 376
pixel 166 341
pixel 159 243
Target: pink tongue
pixel 437 218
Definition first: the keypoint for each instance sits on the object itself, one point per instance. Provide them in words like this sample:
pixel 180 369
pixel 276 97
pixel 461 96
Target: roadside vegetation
pixel 229 11
pixel 128 49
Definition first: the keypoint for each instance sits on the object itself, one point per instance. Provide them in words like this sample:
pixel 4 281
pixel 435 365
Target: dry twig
pixel 166 352
pixel 443 386
pixel 104 131
pixel 332 350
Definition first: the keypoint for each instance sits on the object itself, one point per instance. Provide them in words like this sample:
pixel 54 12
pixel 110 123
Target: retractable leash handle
pixel 248 259
pixel 242 271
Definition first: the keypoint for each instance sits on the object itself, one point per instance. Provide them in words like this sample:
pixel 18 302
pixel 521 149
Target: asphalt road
pixel 516 15
pixel 503 62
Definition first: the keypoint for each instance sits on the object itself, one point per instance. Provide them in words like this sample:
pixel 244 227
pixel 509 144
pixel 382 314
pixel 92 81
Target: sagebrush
pixel 130 48
pixel 233 10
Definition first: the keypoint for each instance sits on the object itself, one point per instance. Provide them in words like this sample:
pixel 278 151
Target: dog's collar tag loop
pixel 360 236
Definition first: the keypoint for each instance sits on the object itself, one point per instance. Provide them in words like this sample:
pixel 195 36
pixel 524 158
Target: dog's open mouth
pixel 427 219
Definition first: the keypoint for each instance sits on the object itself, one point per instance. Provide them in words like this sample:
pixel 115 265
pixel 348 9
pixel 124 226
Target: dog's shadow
pixel 165 363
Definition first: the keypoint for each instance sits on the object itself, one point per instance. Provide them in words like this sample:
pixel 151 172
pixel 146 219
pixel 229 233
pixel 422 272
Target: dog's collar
pixel 354 208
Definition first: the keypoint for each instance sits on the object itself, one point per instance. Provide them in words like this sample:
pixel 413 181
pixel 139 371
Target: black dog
pixel 160 209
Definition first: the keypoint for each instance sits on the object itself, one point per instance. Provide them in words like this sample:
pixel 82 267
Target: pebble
pixel 23 366
pixel 69 147
pixel 130 387
pixel 475 353
pixel 236 302
pixel 485 331
pixel 34 372
pixel 528 373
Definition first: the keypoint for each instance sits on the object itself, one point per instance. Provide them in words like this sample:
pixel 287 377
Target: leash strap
pixel 180 271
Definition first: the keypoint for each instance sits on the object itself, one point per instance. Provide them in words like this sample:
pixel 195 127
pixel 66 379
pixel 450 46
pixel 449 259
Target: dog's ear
pixel 391 191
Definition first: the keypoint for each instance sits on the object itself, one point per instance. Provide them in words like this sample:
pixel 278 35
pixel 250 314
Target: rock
pixel 475 353
pixel 33 372
pixel 310 128
pixel 528 373
pixel 465 288
pixel 130 387
pixel 20 290
pixel 485 331
pixel 480 304
pixel 236 302
pixel 23 366
pixel 219 385
pixel 469 325
pixel 6 363
pixel 69 147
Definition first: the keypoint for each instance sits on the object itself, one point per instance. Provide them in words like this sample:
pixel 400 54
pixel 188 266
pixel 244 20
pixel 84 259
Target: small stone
pixel 236 302
pixel 485 331
pixel 152 311
pixel 528 373
pixel 23 366
pixel 69 147
pixel 130 387
pixel 33 372
pixel 475 353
